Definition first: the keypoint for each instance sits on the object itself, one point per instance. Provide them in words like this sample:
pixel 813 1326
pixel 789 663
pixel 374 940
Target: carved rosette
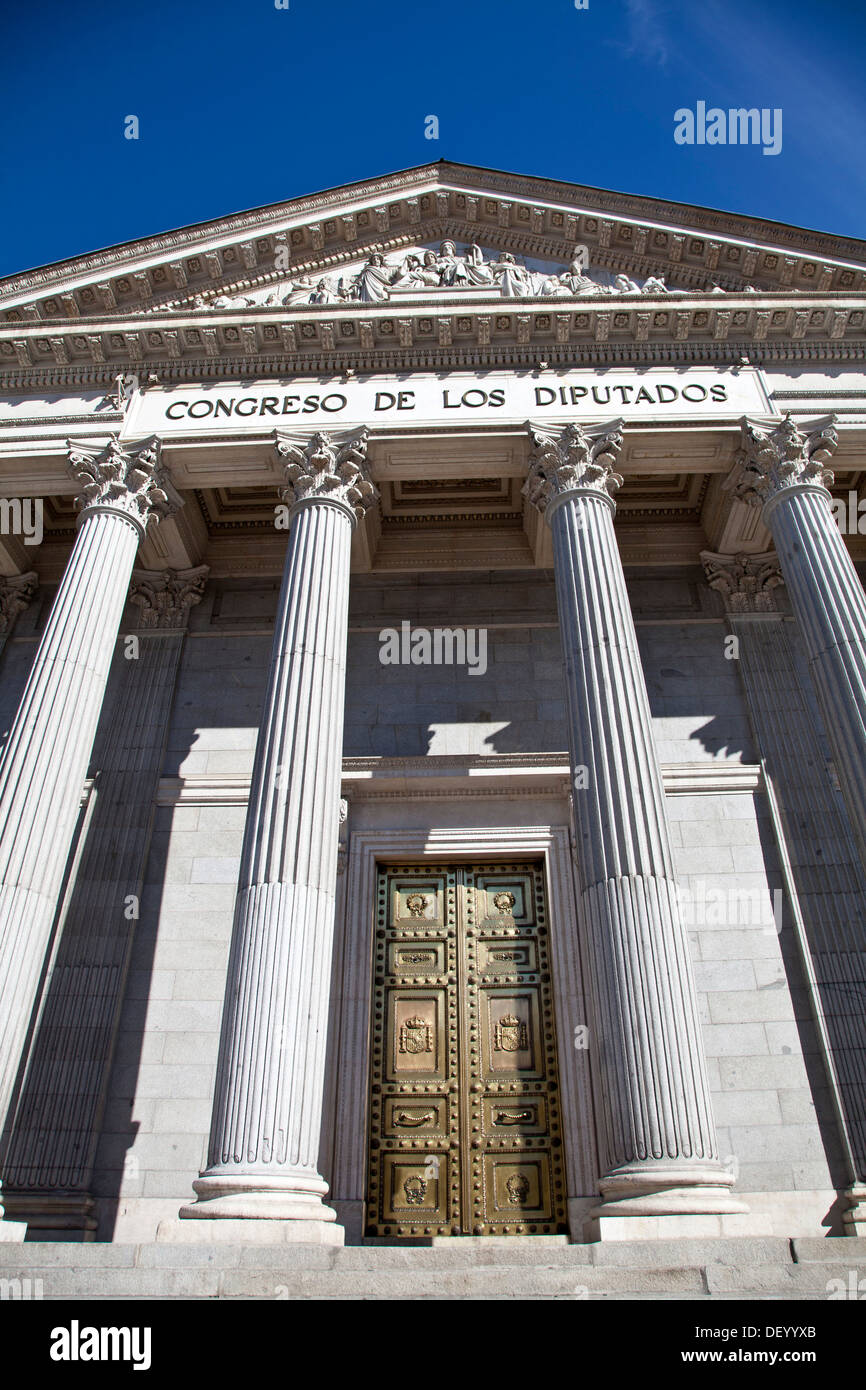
pixel 771 461
pixel 16 594
pixel 166 596
pixel 329 468
pixel 745 582
pixel 575 460
pixel 124 479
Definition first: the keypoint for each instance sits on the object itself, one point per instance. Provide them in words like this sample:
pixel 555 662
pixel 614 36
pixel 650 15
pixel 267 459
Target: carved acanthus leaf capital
pixel 773 458
pixel 124 478
pixel 745 582
pixel 166 596
pixel 327 467
pixel 575 459
pixel 16 594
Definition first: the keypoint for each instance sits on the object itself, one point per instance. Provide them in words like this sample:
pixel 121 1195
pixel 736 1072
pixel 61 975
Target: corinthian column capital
pixel 166 596
pixel 327 468
pixel 16 594
pixel 774 459
pixel 745 582
pixel 126 479
pixel 577 460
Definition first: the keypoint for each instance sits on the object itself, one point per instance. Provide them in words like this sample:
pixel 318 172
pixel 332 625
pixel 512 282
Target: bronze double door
pixel 464 1104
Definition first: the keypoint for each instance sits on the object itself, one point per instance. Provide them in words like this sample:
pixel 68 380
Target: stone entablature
pixel 453 329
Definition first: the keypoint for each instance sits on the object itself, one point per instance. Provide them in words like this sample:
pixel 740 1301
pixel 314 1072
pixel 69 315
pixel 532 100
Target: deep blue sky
pixel 241 104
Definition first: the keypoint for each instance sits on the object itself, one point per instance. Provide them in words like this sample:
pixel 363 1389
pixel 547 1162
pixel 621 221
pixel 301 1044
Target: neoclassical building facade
pixel 433 679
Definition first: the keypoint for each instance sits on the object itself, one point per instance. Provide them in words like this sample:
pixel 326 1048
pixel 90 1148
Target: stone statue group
pixel 418 272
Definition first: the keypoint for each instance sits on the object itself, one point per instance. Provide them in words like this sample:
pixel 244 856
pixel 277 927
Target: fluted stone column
pixel 45 760
pixel 656 1133
pixel 782 469
pixel 823 873
pixel 265 1129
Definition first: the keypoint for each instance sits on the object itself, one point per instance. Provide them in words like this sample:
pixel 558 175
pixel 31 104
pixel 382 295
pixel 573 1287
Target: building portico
pixel 317 944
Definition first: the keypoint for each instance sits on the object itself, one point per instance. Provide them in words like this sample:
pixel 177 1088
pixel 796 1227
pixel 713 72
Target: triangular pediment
pixel 566 264
pixel 536 220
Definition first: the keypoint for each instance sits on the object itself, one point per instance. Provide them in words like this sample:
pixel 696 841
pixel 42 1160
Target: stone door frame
pixel 345 1143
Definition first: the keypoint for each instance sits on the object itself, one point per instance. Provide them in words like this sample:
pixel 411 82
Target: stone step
pixel 275 1285
pixel 842 1248
pixel 739 1252
pixel 763 1268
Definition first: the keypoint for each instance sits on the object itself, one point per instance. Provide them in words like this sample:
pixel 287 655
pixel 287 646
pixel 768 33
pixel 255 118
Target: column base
pixel 854 1219
pixel 10 1230
pixel 657 1189
pixel 52 1215
pixel 284 1208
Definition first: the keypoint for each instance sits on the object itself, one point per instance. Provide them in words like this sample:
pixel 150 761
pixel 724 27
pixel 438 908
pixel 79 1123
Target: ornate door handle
pixel 513 1117
pixel 405 1117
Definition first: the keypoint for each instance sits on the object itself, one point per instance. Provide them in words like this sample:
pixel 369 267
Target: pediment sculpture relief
pixel 423 271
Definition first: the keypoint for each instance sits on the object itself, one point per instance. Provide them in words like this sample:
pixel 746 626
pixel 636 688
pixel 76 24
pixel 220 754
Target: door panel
pixel 465 1131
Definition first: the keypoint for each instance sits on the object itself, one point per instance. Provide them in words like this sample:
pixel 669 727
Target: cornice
pixel 501 774
pixel 417 333
pixel 310 366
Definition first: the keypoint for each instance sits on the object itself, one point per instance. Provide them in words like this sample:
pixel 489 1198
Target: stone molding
pixel 199 343
pixel 127 479
pixel 413 779
pixel 164 597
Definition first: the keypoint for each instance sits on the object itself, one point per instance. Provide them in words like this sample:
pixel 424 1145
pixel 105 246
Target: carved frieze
pixel 423 270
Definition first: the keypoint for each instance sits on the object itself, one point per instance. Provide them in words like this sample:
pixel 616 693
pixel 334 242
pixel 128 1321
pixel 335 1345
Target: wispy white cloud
pixel 762 63
pixel 647 37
